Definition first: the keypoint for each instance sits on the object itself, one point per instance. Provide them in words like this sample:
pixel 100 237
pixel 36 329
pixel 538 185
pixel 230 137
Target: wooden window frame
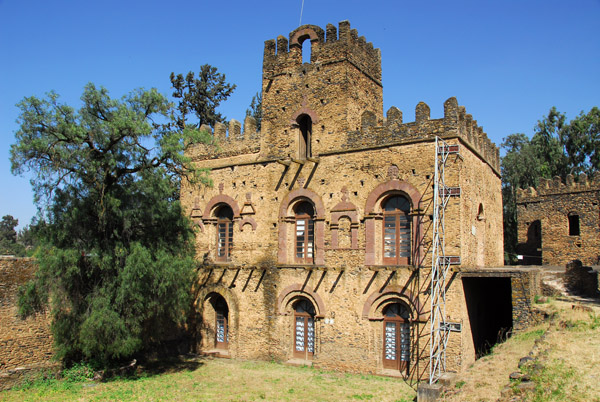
pixel 224 236
pixel 397 217
pixel 304 246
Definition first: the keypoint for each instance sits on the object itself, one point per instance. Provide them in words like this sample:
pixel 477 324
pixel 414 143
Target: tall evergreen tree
pixel 117 257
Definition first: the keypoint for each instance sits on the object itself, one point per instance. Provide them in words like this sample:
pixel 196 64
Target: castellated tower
pixel 315 242
pixel 307 107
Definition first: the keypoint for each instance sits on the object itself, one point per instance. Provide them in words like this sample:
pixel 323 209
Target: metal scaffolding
pixel 440 262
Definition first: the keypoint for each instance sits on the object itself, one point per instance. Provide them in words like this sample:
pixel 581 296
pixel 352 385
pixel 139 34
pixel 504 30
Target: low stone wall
pixel 581 279
pixel 25 342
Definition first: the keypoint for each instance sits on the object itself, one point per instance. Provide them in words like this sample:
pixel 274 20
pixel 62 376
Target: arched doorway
pixel 304 329
pixel 396 337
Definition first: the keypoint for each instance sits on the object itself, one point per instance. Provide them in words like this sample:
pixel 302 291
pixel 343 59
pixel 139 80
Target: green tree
pixel 255 109
pixel 117 258
pixel 200 96
pixel 8 237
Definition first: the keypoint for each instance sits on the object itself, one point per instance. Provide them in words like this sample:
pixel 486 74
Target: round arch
pixel 376 302
pixel 290 294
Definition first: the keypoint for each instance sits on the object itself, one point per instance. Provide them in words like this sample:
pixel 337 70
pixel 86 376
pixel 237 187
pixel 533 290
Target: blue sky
pixel 507 62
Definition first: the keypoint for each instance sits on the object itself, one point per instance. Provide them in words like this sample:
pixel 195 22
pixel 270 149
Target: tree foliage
pixel 255 109
pixel 116 260
pixel 200 96
pixel 556 148
pixel 8 237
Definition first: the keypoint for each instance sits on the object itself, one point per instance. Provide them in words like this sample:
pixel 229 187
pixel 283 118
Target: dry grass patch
pixel 483 381
pixel 570 357
pixel 226 380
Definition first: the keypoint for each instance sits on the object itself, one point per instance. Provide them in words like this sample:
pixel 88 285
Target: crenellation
pixel 220 132
pixel 270 49
pixel 344 29
pixel 235 130
pixel 331 32
pixel 282 45
pixel 422 112
pixel 249 126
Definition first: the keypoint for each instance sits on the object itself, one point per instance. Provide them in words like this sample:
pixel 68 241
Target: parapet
pixel 228 140
pixel 455 123
pixel 327 46
pixel 556 186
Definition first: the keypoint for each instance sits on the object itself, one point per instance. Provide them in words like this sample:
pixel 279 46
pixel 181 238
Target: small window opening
pixel 574 225
pixel 480 215
pixel 305 124
pixel 306 50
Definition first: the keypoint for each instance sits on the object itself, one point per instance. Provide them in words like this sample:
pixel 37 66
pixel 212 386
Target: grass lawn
pixel 221 380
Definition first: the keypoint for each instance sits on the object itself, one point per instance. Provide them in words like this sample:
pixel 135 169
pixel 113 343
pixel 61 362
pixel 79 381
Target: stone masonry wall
pixel 549 206
pixel 22 342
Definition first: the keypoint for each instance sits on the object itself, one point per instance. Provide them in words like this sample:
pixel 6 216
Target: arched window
pixel 396 231
pixel 396 337
pixel 224 232
pixel 222 322
pixel 305 124
pixel 304 329
pixel 305 232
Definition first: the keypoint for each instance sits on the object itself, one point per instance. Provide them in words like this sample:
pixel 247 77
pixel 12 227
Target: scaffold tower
pixel 440 262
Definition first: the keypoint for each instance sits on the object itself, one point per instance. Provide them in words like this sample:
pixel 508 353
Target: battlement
pixel 228 140
pixel 556 186
pixel 327 46
pixel 455 123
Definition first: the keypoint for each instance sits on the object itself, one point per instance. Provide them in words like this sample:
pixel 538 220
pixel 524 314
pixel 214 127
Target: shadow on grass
pixel 155 367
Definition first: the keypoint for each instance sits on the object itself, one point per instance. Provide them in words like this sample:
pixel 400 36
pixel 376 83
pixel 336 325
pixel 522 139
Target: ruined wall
pixel 581 279
pixel 22 342
pixel 551 204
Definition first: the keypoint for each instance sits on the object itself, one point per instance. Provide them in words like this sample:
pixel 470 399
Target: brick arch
pixel 285 221
pixel 372 309
pixel 302 193
pixel 295 291
pixel 390 187
pixel 221 199
pixel 300 34
pixel 314 117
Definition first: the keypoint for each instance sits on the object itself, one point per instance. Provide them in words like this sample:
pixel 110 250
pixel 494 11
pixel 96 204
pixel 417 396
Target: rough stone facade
pixel 560 222
pixel 22 342
pixel 299 214
pixel 581 279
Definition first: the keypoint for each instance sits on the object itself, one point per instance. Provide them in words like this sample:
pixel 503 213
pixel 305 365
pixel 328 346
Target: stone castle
pixel 560 222
pixel 315 239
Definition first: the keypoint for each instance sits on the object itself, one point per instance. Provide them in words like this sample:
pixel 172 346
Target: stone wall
pixel 581 279
pixel 22 342
pixel 546 227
